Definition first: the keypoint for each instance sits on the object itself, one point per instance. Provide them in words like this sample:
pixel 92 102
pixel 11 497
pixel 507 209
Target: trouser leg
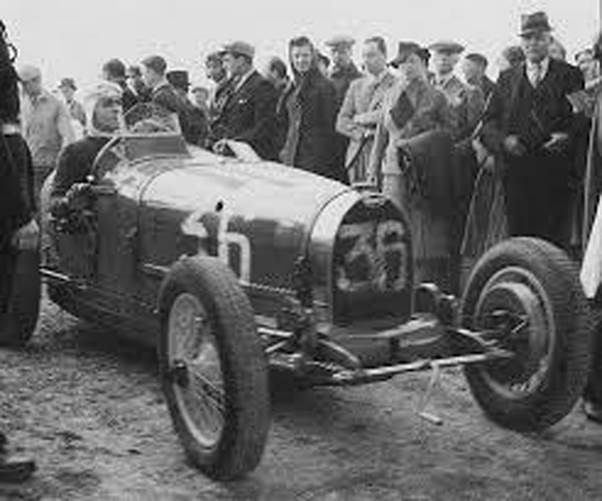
pixel 40 173
pixel 392 189
pixel 7 266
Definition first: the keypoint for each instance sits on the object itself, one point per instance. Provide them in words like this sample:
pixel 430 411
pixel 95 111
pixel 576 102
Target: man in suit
pixel 114 71
pixel 197 126
pixel 466 101
pixel 164 95
pixel 362 108
pixel 342 72
pixel 474 68
pixel 248 111
pixel 18 227
pixel 530 126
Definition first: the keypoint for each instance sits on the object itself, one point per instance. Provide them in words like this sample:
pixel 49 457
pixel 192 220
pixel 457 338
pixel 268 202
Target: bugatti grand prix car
pixel 234 267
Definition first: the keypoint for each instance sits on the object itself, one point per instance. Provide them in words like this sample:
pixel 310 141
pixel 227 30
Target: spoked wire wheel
pixel 213 367
pixel 198 381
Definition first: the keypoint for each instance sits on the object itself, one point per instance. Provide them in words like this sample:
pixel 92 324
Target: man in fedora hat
pixel 530 126
pixel 248 109
pixel 342 72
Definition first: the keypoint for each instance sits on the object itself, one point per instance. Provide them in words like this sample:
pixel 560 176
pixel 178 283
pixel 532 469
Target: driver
pixel 104 116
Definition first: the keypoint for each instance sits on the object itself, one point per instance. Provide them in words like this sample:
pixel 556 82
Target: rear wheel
pixel 527 293
pixel 19 321
pixel 214 370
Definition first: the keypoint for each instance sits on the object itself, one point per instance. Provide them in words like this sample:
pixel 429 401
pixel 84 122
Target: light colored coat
pixel 431 112
pixel 358 118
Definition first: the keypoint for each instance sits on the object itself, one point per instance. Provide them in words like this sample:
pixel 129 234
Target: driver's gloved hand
pixel 79 196
pixel 59 208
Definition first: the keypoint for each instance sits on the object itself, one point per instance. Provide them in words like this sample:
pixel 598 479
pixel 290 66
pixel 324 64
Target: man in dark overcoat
pixel 529 124
pixel 18 228
pixel 248 111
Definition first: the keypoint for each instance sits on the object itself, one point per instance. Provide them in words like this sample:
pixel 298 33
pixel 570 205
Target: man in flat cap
pixel 466 100
pixel 530 126
pixel 196 128
pixel 343 70
pixel 46 125
pixel 474 68
pixel 248 111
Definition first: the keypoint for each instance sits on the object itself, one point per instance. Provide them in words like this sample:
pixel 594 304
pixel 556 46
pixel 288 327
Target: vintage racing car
pixel 233 266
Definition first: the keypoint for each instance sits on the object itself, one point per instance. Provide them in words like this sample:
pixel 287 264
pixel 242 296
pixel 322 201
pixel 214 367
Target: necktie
pixel 537 74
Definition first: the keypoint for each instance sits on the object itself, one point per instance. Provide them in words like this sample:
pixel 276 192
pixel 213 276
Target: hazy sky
pixel 74 37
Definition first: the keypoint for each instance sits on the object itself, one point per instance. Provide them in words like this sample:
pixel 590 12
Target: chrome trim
pixel 154 270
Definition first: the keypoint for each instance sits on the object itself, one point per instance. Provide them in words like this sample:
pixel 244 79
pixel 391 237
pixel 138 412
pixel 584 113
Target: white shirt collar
pixel 543 65
pixel 442 80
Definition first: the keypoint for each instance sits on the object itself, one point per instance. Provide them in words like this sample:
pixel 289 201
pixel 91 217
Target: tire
pixel 541 384
pixel 226 342
pixel 19 322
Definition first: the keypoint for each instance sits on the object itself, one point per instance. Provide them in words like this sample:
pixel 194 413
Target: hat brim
pixel 448 49
pixel 340 44
pixel 532 31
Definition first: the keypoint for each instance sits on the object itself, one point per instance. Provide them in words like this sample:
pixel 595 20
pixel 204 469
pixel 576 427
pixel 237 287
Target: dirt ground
pixel 88 407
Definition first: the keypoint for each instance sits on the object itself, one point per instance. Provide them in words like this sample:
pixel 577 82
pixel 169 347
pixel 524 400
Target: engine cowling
pixel 361 254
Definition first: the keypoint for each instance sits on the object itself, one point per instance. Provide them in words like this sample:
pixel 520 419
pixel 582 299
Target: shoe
pixel 593 410
pixel 16 470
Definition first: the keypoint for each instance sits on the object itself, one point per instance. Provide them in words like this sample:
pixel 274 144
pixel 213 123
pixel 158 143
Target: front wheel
pixel 526 293
pixel 214 370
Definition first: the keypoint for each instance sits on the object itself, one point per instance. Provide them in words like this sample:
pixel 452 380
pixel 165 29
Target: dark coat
pixel 536 184
pixel 167 97
pixel 75 163
pixel 248 114
pixel 308 110
pixel 129 99
pixel 342 78
pixel 487 87
pixel 17 205
pixel 509 111
pixel 16 173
